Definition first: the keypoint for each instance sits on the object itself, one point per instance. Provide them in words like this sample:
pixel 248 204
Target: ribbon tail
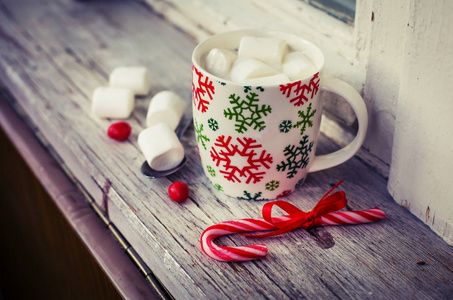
pixel 330 203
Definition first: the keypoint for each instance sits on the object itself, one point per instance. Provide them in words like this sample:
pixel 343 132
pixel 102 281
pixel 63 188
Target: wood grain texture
pixel 55 53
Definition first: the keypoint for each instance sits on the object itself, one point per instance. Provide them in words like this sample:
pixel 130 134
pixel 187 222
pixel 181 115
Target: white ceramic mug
pixel 259 142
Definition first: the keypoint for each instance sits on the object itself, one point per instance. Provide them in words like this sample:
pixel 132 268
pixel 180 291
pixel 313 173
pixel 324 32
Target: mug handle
pixel 346 91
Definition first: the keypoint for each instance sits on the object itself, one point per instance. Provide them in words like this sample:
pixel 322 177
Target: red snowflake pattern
pixel 202 90
pixel 300 92
pixel 240 160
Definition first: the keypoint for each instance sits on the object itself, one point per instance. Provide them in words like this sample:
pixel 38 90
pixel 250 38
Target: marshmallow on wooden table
pixel 165 107
pixel 249 68
pixel 297 65
pixel 161 147
pixel 135 78
pixel 112 102
pixel 218 61
pixel 268 50
pixel 268 80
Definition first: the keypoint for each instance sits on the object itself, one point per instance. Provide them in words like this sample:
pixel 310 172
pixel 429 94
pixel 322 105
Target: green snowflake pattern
pixel 248 196
pixel 297 157
pixel 201 138
pixel 218 187
pixel 306 119
pixel 211 171
pixel 247 113
pixel 285 126
pixel 213 124
pixel 272 185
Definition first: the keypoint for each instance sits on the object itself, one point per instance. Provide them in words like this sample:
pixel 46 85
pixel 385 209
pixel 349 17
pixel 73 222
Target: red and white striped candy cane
pixel 241 253
pixel 352 217
pixel 250 252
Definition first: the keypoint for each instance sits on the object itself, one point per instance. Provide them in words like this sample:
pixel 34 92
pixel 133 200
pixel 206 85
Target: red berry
pixel 178 191
pixel 119 131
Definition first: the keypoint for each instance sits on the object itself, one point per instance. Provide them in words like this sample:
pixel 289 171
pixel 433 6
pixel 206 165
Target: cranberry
pixel 119 131
pixel 178 191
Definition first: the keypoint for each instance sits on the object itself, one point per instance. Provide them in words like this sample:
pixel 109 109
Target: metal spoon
pixel 151 173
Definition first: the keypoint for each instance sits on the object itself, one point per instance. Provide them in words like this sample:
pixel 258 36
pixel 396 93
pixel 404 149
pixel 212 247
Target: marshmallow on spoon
pixel 161 147
pixel 218 61
pixel 135 78
pixel 248 68
pixel 269 50
pixel 112 102
pixel 297 65
pixel 165 107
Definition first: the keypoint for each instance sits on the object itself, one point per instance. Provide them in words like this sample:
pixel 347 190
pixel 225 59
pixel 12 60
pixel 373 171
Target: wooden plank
pixel 53 55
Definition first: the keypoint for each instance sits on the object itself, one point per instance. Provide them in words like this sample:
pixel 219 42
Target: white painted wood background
pixel 422 163
pixel 55 53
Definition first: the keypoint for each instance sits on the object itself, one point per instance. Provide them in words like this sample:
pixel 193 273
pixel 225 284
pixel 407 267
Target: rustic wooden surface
pixel 55 53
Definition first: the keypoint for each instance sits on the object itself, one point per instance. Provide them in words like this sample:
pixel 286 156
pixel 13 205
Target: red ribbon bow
pixel 299 218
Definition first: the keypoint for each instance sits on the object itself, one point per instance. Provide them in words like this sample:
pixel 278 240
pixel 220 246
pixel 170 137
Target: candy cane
pixel 250 252
pixel 241 253
pixel 352 217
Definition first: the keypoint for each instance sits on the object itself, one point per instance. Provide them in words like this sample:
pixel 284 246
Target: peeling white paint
pixel 422 160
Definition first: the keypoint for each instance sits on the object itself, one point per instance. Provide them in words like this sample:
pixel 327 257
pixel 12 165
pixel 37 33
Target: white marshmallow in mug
pixel 161 147
pixel 165 107
pixel 269 50
pixel 112 102
pixel 218 61
pixel 297 65
pixel 135 78
pixel 268 80
pixel 249 68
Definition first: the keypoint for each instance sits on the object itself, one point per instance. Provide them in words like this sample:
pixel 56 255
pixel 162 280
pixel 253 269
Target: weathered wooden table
pixel 53 54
